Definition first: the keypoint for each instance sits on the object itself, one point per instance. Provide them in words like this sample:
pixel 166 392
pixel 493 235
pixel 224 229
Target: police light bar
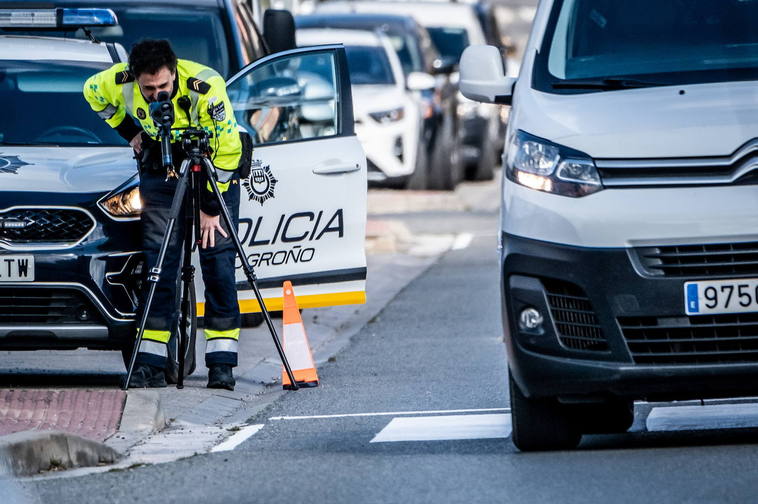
pixel 56 18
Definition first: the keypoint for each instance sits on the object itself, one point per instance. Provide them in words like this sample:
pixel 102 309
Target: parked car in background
pixel 417 54
pixel 388 119
pixel 452 27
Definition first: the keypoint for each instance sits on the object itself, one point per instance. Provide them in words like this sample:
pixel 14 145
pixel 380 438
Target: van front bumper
pixel 613 329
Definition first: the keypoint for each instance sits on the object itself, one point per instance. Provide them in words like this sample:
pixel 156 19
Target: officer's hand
pixel 208 227
pixel 136 143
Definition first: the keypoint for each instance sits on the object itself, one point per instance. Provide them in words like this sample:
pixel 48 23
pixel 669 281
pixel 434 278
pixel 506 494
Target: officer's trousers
pixel 222 316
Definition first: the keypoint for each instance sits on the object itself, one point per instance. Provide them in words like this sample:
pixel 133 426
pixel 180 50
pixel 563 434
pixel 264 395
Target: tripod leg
pixel 155 272
pixel 188 275
pixel 249 273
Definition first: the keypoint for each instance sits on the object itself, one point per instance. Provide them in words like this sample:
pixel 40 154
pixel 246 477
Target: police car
pixel 70 263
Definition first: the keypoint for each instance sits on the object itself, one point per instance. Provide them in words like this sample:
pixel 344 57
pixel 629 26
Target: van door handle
pixel 330 168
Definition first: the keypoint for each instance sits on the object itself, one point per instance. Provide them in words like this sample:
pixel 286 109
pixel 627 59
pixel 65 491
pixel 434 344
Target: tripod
pixel 195 145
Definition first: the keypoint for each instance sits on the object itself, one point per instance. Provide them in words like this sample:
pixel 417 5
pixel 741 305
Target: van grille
pixel 700 260
pixel 692 340
pixel 577 324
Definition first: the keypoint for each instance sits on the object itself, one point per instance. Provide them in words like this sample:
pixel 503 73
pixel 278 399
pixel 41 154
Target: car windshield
pixel 43 105
pixel 195 34
pixel 407 51
pixel 369 65
pixel 450 42
pixel 659 41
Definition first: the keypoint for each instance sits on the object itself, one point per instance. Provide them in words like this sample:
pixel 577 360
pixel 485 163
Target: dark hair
pixel 150 55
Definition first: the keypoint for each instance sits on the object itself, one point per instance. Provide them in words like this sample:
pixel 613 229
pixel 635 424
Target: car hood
pixel 65 169
pixel 373 98
pixel 657 122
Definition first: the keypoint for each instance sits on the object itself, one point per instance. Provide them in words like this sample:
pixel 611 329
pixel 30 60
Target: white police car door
pixel 303 207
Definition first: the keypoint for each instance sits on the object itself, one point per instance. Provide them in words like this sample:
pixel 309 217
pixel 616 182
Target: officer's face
pixel 152 84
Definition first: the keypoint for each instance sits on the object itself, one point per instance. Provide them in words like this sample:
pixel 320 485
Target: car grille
pixel 577 324
pixel 700 260
pixel 58 226
pixel 34 306
pixel 692 340
pixel 738 168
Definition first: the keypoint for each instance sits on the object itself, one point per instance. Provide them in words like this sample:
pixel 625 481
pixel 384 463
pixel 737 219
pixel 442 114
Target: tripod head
pixel 162 112
pixel 195 141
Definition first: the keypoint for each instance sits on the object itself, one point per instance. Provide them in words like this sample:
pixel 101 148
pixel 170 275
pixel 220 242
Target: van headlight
pixel 388 116
pixel 124 204
pixel 538 164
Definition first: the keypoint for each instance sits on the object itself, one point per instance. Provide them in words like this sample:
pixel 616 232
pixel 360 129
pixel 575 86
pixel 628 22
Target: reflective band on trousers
pixel 221 345
pixel 153 347
pixel 230 333
pixel 159 336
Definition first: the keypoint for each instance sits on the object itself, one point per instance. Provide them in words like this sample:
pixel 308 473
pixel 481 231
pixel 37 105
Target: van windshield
pixel 597 45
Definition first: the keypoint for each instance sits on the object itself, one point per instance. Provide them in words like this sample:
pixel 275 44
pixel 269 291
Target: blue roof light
pixel 88 17
pixel 56 18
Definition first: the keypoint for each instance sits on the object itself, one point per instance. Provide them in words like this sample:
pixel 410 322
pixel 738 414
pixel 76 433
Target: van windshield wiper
pixel 610 83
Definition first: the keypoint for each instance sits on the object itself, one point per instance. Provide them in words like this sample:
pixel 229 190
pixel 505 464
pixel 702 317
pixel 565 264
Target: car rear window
pixel 43 104
pixel 368 65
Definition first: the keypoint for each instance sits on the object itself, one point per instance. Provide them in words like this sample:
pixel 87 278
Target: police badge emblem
pixel 11 164
pixel 216 110
pixel 141 113
pixel 261 182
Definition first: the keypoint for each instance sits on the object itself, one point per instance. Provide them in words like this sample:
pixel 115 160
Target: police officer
pixel 121 96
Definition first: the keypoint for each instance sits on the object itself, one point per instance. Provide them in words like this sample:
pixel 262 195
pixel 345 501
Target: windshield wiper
pixel 609 83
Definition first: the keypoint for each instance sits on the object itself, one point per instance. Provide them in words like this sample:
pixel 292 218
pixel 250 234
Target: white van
pixel 629 221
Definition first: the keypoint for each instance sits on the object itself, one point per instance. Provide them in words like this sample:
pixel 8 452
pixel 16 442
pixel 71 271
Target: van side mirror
pixel 483 75
pixel 420 81
pixel 444 66
pixel 279 30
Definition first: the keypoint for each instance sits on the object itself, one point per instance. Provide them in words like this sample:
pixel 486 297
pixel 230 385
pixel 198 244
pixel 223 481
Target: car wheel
pixel 417 180
pixel 251 319
pixel 172 363
pixel 445 164
pixel 610 417
pixel 484 169
pixel 541 424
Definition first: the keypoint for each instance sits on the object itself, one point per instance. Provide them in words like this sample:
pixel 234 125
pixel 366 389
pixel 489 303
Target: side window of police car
pixel 288 98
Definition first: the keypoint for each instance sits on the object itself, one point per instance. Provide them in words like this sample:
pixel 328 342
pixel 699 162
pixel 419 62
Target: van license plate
pixel 16 268
pixel 721 296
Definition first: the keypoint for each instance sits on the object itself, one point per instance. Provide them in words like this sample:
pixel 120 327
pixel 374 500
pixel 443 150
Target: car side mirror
pixel 444 66
pixel 483 76
pixel 279 30
pixel 420 81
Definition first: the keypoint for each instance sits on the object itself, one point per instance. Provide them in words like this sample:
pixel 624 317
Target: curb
pixel 142 416
pixel 30 452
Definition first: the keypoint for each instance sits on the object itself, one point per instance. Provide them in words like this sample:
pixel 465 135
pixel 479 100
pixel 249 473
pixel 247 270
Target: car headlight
pixel 538 164
pixel 387 116
pixel 124 204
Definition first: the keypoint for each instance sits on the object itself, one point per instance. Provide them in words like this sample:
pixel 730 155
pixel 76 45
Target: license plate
pixel 16 268
pixel 721 296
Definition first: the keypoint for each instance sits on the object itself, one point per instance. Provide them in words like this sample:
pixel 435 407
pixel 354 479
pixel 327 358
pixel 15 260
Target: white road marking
pixel 717 416
pixel 445 428
pixel 462 241
pixel 389 413
pixel 237 438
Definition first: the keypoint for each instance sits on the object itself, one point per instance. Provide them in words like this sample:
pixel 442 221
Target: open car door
pixel 303 206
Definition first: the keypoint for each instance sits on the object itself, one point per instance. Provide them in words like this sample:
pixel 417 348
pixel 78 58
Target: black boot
pixel 145 375
pixel 220 376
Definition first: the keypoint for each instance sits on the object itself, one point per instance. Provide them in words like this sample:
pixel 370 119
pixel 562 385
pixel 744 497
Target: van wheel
pixel 445 167
pixel 251 319
pixel 484 169
pixel 417 180
pixel 541 424
pixel 611 417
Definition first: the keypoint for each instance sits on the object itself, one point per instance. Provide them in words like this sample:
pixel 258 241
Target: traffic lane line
pixel 711 417
pixel 389 413
pixel 445 428
pixel 462 241
pixel 237 438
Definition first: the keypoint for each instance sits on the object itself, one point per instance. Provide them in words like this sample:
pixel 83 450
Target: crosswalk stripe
pixel 717 416
pixel 445 428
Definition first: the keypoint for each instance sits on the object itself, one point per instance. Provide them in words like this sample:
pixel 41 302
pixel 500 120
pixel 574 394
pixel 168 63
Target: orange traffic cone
pixel 296 346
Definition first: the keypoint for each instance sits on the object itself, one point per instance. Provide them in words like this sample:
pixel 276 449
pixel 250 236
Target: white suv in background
pixel 388 116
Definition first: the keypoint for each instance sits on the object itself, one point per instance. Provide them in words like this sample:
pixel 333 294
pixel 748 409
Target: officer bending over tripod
pixel 121 95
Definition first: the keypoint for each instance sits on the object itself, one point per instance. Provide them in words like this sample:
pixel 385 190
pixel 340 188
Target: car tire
pixel 541 423
pixel 611 417
pixel 251 319
pixel 484 169
pixel 172 362
pixel 445 163
pixel 417 180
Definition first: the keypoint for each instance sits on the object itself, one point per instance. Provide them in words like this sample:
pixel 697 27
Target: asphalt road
pixel 437 348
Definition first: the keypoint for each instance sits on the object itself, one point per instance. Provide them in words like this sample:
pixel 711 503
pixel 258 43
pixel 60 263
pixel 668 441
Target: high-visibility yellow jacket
pixel 115 95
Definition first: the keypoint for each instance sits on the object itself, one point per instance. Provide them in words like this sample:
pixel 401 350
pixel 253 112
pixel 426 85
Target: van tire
pixel 446 168
pixel 541 423
pixel 172 362
pixel 417 181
